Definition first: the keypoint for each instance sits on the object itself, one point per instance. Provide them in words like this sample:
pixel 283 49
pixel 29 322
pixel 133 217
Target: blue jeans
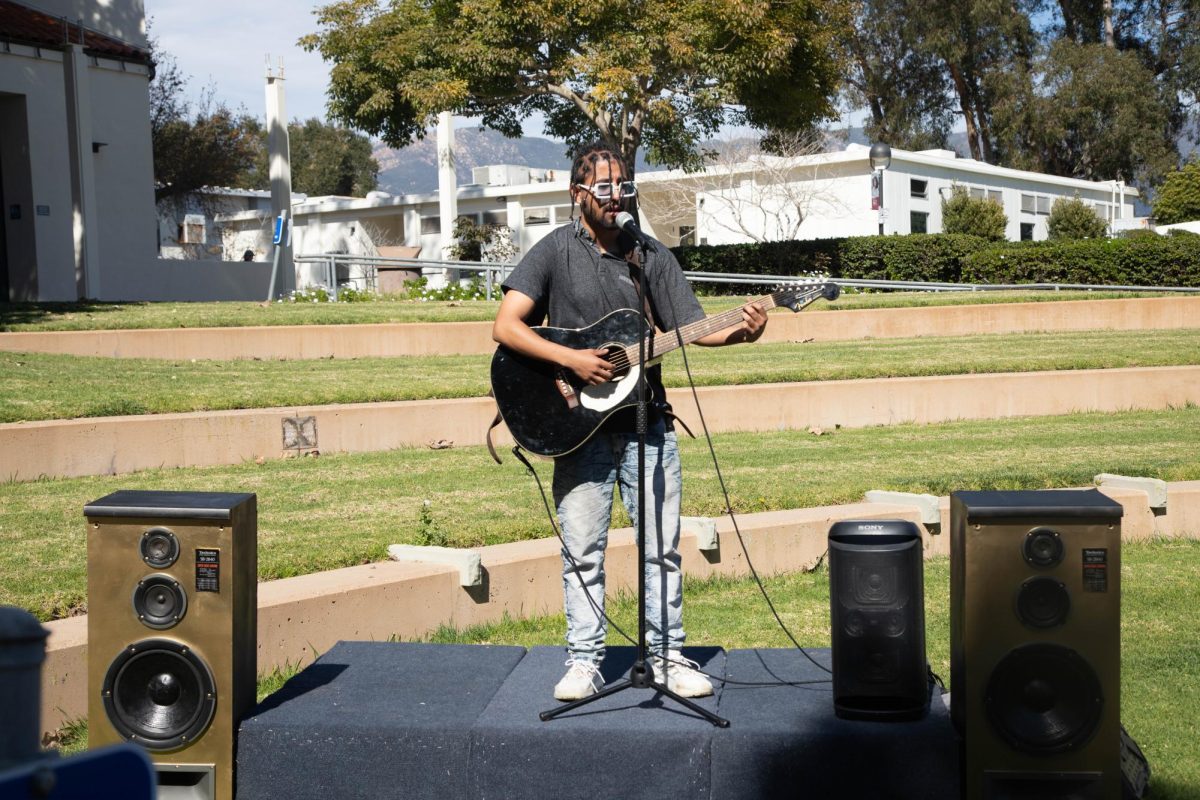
pixel 583 494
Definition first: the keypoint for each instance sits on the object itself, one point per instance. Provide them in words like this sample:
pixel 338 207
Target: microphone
pixel 627 223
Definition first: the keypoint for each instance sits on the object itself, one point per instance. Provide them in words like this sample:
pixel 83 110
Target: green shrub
pixel 973 216
pixel 918 257
pixel 1141 261
pixel 1179 196
pixel 1074 219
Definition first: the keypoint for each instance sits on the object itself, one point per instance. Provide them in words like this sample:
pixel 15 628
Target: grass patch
pixel 85 316
pixel 45 386
pixel 334 511
pixel 1159 659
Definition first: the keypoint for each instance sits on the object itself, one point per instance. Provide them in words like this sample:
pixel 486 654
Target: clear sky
pixel 225 43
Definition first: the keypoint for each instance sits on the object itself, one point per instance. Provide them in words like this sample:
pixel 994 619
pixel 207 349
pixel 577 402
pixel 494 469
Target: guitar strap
pixel 496 421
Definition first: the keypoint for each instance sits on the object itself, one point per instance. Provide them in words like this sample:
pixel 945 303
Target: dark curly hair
pixel 586 158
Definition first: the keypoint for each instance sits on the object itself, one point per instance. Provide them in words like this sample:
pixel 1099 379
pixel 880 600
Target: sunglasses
pixel 604 191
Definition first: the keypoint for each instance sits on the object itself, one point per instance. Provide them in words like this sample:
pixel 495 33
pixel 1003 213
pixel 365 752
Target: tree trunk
pixel 964 102
pixel 1109 39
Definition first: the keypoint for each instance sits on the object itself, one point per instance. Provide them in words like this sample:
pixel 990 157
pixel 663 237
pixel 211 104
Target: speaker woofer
pixel 160 548
pixel 1042 547
pixel 1044 699
pixel 1043 602
pixel 159 694
pixel 159 601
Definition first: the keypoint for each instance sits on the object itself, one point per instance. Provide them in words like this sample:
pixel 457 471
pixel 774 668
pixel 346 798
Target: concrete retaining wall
pixel 450 338
pixel 114 445
pixel 300 617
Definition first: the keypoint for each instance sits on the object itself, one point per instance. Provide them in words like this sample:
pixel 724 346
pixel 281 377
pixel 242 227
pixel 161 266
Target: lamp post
pixel 881 159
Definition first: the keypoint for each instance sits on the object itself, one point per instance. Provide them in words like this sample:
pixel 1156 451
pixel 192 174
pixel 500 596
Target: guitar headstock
pixel 796 296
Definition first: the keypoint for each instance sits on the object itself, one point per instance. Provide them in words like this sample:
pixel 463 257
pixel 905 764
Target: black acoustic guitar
pixel 551 412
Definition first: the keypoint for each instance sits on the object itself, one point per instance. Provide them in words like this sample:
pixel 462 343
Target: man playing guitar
pixel 572 278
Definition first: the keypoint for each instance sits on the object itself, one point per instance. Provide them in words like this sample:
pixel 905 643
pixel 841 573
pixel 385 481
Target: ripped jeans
pixel 583 494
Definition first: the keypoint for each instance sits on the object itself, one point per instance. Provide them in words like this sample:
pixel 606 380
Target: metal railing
pixel 494 273
pixel 923 286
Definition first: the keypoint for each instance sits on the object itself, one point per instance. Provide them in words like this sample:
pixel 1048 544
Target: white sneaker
pixel 682 675
pixel 582 680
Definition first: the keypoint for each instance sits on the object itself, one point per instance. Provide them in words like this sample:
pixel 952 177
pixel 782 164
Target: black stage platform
pixel 382 720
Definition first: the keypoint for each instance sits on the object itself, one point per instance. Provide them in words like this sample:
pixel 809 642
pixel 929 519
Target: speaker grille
pixel 160 694
pixel 1043 602
pixel 1044 699
pixel 159 547
pixel 159 601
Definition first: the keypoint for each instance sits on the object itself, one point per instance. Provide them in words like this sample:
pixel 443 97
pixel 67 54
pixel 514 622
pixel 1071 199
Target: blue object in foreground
pixel 120 772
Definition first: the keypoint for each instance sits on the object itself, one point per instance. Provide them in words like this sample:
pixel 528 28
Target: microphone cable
pixel 725 493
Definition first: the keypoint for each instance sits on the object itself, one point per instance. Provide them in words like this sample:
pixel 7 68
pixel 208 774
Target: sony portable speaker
pixel 172 617
pixel 877 616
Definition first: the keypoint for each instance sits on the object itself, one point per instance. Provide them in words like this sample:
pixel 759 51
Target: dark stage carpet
pixel 395 720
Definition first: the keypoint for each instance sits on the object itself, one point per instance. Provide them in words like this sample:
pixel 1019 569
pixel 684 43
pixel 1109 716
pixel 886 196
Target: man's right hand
pixel 590 366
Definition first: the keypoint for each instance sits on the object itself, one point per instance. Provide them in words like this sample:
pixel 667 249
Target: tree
pixel 479 242
pixel 1178 198
pixel 1074 219
pixel 196 146
pixel 325 159
pixel 1095 114
pixel 976 216
pixel 666 78
pixel 898 81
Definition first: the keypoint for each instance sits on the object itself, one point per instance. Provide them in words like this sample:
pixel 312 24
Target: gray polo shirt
pixel 573 284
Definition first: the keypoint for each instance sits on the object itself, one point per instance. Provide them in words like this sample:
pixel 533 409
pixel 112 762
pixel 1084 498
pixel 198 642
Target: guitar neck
pixel 666 342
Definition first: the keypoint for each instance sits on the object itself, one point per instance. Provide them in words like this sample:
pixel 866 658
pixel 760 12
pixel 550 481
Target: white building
pixel 76 163
pixel 830 195
pixel 77 177
pixel 764 198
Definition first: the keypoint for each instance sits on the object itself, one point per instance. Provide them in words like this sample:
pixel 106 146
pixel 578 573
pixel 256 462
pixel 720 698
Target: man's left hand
pixel 754 322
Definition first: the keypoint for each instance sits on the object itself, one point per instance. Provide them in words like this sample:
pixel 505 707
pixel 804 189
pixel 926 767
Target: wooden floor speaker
pixel 172 618
pixel 877 620
pixel 1035 643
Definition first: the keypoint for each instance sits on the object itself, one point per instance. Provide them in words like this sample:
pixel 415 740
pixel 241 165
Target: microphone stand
pixel 641 675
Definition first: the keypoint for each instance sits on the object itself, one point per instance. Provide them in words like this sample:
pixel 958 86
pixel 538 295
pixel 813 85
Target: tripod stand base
pixel 642 678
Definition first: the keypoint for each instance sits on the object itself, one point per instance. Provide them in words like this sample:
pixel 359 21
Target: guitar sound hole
pixel 615 355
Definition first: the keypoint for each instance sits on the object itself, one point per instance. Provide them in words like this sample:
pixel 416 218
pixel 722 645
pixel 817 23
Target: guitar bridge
pixel 566 389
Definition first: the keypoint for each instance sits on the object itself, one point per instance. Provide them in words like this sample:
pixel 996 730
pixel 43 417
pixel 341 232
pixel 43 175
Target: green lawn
pixel 39 386
pixel 340 510
pixel 107 316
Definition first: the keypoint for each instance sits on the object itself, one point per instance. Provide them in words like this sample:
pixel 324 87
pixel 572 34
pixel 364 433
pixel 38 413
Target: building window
pixel 918 187
pixel 192 231
pixel 564 214
pixel 977 192
pixel 1028 204
pixel 495 217
pixel 1102 211
pixel 1026 231
pixel 918 222
pixel 537 216
pixel 431 225
pixel 1043 204
pixel 687 234
pixel 996 196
